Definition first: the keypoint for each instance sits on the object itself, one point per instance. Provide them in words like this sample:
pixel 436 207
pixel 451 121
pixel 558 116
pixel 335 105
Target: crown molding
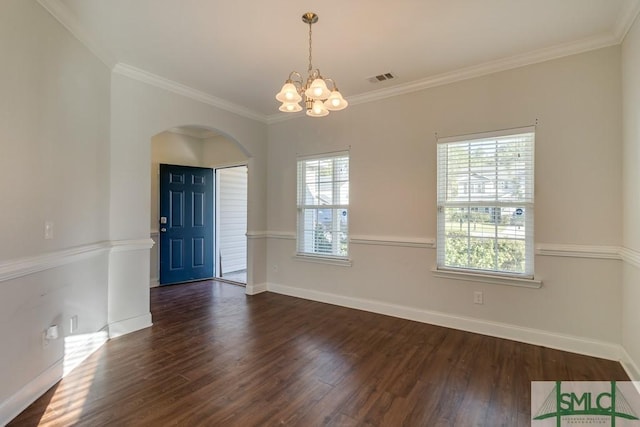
pixel 175 87
pixel 62 14
pixel 622 26
pixel 284 117
pixel 504 64
pixel 626 19
pixel 512 62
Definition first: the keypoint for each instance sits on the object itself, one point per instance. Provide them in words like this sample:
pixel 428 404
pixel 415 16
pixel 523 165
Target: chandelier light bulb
pixel 336 102
pixel 318 90
pixel 290 107
pixel 317 109
pixel 288 93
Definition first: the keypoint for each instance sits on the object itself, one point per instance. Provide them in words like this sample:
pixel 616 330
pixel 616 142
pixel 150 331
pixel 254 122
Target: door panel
pixel 186 237
pixel 176 209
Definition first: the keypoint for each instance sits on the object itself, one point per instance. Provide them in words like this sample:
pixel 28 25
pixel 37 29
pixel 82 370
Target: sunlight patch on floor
pixel 78 347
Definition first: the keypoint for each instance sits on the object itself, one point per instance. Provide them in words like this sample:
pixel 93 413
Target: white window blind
pixel 486 202
pixel 323 205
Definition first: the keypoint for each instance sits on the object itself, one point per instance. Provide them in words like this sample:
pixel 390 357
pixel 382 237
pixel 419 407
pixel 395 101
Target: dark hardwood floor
pixel 216 357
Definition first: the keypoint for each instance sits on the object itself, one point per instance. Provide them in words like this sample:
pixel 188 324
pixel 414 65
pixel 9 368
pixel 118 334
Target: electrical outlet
pixel 52 333
pixel 478 298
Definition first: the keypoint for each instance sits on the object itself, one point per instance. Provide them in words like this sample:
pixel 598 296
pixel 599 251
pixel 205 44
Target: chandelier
pixel 318 99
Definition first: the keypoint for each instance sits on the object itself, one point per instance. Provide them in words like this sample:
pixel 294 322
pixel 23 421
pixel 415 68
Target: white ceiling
pixel 238 53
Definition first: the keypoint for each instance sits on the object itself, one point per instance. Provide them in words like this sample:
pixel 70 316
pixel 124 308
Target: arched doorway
pixel 199 147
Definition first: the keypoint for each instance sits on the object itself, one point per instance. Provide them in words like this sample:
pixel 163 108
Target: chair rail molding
pixel 541 249
pixel 15 268
pixel 630 256
pixel 257 234
pixel 579 251
pixel 409 242
pixel 285 235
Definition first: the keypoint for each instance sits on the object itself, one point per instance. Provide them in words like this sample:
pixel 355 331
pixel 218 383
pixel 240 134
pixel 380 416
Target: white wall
pixel 140 111
pixel 54 134
pixel 577 102
pixel 221 152
pixel 181 149
pixel 631 193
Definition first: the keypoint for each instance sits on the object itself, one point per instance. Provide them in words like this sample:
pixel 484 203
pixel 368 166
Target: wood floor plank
pixel 216 357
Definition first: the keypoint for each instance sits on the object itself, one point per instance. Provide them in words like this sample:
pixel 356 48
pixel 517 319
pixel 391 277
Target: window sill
pixel 488 278
pixel 342 262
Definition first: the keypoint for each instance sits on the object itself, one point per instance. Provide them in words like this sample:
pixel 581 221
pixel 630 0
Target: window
pixel 485 203
pixel 323 205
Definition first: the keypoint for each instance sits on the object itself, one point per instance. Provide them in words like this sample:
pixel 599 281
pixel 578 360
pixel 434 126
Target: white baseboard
pixel 83 347
pixel 11 408
pixel 255 289
pixel 124 327
pixel 630 366
pixel 154 282
pixel 555 340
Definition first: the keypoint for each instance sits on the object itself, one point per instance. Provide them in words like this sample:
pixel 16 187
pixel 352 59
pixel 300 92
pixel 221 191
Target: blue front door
pixel 186 224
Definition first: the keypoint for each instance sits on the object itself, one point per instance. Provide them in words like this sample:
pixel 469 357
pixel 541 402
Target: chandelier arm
pixel 295 77
pixel 313 74
pixel 333 83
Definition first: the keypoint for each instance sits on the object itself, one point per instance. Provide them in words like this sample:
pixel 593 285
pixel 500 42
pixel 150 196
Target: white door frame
pixel 218 265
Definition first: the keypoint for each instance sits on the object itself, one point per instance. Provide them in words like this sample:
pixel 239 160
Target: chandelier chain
pixel 310 66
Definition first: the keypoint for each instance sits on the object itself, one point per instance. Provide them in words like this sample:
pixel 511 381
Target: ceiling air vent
pixel 381 78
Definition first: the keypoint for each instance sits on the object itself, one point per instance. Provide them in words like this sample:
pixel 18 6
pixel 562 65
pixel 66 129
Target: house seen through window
pixel 486 202
pixel 323 205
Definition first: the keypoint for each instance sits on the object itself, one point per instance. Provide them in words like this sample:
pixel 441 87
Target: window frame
pixel 302 208
pixel 527 202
